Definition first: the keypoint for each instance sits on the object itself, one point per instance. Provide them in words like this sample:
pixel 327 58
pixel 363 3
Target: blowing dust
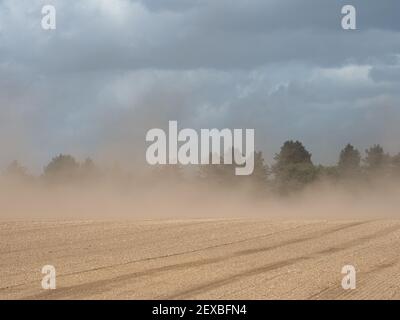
pixel 144 199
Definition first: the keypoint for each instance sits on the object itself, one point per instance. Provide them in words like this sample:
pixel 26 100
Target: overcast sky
pixel 114 69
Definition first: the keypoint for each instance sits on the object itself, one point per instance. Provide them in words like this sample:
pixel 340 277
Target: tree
pixel 376 158
pixel 261 170
pixel 89 170
pixel 349 160
pixel 396 163
pixel 257 182
pixel 292 153
pixel 223 174
pixel 17 172
pixel 293 168
pixel 62 168
pixel 327 172
pixel 88 165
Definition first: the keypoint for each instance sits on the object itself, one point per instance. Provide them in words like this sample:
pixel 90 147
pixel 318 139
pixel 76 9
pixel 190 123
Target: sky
pixel 112 70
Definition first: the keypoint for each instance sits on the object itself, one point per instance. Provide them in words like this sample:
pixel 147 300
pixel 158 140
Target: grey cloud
pixel 109 73
pixel 212 34
pixel 386 73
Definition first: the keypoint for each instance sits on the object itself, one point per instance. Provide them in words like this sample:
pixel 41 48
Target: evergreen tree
pixel 349 161
pixel 294 168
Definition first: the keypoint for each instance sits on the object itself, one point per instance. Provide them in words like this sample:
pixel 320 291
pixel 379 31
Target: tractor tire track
pixel 101 285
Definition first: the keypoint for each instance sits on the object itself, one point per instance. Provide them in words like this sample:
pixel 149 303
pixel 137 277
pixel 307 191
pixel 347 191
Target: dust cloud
pixel 146 198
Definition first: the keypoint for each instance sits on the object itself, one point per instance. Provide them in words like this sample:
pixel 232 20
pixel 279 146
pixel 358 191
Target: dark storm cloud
pixel 113 69
pixel 386 73
pixel 200 34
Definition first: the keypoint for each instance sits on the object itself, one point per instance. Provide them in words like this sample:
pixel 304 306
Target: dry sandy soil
pixel 200 259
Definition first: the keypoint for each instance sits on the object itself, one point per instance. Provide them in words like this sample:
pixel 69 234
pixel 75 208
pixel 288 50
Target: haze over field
pixel 143 199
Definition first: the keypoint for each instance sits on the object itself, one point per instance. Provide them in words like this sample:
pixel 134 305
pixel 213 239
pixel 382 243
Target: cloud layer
pixel 114 69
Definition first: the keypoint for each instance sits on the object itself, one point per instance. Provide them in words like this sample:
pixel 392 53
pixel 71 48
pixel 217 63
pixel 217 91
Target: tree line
pixel 291 171
pixel 293 168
